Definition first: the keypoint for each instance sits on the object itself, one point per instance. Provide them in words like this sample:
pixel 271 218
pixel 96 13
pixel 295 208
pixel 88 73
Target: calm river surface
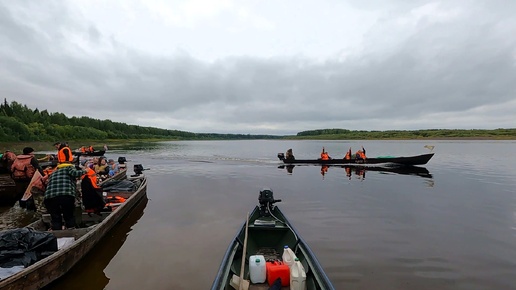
pixel 451 228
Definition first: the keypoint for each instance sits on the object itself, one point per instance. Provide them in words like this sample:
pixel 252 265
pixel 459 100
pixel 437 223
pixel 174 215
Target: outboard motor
pixel 266 199
pixel 281 156
pixel 138 169
pixel 122 160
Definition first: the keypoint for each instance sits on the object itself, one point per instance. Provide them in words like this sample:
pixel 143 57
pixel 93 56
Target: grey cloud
pixel 450 67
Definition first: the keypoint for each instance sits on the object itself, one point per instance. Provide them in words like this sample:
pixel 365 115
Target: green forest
pixel 18 123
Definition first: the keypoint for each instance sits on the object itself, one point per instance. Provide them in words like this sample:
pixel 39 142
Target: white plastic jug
pixel 297 276
pixel 288 256
pixel 257 269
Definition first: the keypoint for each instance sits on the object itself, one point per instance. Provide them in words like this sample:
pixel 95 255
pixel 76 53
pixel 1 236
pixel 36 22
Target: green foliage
pixel 19 123
pixel 343 134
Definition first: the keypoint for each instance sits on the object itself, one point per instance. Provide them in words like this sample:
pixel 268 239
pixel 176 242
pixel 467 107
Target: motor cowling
pixel 266 200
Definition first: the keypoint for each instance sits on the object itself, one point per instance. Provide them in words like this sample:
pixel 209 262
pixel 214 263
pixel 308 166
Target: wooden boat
pixel 406 161
pixel 268 232
pixel 54 266
pixel 94 153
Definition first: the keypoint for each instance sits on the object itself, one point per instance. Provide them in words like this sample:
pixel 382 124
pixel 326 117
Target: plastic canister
pixel 257 269
pixel 288 256
pixel 297 276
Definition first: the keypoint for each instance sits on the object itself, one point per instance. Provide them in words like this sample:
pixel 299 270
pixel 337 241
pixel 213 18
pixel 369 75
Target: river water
pixel 450 226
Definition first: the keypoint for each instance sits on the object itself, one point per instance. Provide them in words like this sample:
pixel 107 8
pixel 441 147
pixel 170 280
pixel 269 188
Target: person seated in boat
pixel 113 167
pixel 348 154
pixel 102 168
pixel 325 155
pixel 289 155
pixel 360 155
pixel 90 149
pixel 60 195
pixel 83 149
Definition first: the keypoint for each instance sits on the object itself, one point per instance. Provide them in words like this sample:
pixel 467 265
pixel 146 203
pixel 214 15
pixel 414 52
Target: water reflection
pixel 360 171
pixel 90 270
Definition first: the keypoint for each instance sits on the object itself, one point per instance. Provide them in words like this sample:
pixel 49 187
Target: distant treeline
pixel 343 134
pixel 19 123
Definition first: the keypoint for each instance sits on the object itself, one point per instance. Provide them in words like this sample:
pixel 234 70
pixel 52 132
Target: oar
pixel 241 287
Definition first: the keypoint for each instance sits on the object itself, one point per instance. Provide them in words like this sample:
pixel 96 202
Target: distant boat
pixel 268 232
pixel 406 161
pixel 94 153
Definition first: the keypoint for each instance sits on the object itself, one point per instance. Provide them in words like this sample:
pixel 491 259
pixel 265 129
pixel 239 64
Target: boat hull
pixel 51 268
pixel 269 241
pixel 407 161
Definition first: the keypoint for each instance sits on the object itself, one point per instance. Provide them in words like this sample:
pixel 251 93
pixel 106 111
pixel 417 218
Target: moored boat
pixel 401 160
pixel 82 240
pixel 267 233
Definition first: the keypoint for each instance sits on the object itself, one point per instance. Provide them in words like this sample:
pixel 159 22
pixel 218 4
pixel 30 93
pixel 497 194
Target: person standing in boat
pixel 289 155
pixel 60 195
pixel 64 153
pixel 22 171
pixel 325 155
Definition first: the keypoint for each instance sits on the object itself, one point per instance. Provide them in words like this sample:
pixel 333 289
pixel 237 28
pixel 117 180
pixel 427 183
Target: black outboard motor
pixel 122 160
pixel 266 199
pixel 138 169
pixel 281 156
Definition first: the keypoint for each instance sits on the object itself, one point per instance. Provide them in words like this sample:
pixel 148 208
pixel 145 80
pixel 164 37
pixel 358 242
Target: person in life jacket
pixel 64 153
pixel 92 197
pixel 360 155
pixel 348 154
pixel 324 155
pixel 22 171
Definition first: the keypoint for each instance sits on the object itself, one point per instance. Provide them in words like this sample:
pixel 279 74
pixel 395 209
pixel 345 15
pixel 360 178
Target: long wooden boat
pixel 54 266
pixel 268 232
pixel 406 161
pixel 94 153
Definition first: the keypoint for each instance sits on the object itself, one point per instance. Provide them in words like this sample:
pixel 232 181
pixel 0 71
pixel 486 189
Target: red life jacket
pixel 21 168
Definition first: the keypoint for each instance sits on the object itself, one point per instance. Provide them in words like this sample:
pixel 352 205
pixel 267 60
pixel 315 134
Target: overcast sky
pixel 267 66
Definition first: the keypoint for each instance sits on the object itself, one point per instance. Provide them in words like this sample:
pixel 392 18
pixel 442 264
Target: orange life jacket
pixel 21 168
pixel 61 156
pixel 361 154
pixel 325 156
pixel 348 155
pixel 114 201
pixel 83 149
pixel 93 177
